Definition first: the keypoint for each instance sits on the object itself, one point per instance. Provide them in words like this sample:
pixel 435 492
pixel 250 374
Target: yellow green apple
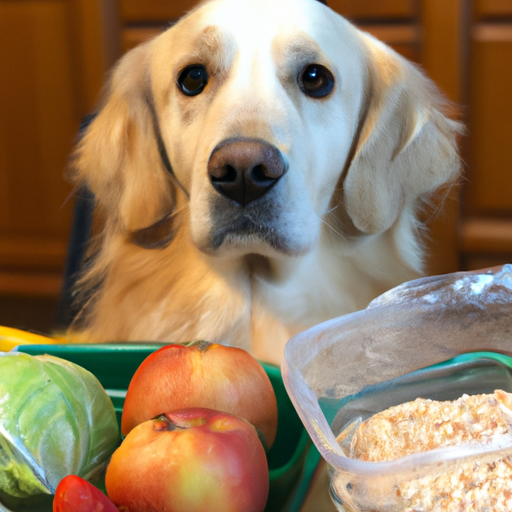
pixel 191 460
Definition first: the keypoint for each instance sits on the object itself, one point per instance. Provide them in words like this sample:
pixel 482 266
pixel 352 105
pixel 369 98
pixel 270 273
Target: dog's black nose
pixel 245 170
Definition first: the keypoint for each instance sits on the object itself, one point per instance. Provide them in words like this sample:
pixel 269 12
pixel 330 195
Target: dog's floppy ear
pixel 405 146
pixel 118 157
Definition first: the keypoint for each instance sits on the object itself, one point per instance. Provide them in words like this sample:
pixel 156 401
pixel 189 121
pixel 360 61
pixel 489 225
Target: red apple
pixel 190 460
pixel 202 375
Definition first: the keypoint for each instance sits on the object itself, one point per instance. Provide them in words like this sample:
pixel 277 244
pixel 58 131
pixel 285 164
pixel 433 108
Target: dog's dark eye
pixel 316 81
pixel 192 80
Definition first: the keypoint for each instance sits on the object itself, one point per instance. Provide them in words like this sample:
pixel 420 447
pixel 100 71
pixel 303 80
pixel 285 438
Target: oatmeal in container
pixel 410 401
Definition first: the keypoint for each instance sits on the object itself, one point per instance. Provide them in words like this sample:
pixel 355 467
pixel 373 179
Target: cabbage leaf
pixel 55 419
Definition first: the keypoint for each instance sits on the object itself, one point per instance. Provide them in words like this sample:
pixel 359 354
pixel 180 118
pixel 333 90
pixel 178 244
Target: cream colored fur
pixel 360 162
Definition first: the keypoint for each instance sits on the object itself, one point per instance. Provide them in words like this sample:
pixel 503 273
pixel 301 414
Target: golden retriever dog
pixel 259 167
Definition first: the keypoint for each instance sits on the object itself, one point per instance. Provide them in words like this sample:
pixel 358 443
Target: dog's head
pixel 256 118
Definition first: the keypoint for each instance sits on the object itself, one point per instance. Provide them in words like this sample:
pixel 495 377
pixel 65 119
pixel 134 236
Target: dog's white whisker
pixel 332 228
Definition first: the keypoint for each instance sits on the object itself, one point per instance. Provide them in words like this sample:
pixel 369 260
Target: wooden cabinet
pixel 52 62
pixel 486 203
pixel 394 21
pixel 55 53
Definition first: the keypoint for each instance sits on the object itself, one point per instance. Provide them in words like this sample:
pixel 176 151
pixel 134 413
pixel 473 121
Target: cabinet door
pixel 444 26
pixel 52 62
pixel 486 223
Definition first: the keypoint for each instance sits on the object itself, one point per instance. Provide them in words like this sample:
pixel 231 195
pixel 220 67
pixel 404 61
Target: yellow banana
pixel 11 337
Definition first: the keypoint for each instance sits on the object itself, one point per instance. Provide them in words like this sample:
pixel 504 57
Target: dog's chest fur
pixel 178 294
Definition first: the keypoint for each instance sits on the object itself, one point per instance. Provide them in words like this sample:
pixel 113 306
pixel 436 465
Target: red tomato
pixel 74 494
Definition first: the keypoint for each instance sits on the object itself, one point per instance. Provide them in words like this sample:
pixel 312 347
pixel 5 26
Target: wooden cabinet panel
pixel 442 51
pixel 23 252
pixel 493 9
pixel 139 20
pixel 38 283
pixel 489 186
pixel 37 120
pixel 153 10
pixel 53 59
pixel 404 39
pixel 486 242
pixel 486 221
pixel 133 36
pixel 165 10
pixel 443 45
pixel 471 261
pixel 375 9
pixel 487 236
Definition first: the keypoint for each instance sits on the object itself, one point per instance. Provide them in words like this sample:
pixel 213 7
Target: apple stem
pixel 202 345
pixel 162 422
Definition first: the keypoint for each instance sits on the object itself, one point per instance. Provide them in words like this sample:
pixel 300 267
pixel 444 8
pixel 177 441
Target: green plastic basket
pixel 292 459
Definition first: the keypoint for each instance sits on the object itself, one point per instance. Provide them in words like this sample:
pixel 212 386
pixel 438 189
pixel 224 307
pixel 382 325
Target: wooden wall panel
pixel 443 45
pixel 486 217
pixel 375 9
pixel 95 42
pixel 37 117
pixel 53 61
pixel 497 9
pixel 133 36
pixel 486 242
pixel 144 20
pixel 490 175
pixel 137 11
pixel 403 38
pixel 140 24
pixel 487 236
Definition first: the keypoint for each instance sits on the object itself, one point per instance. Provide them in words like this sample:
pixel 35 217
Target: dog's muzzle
pixel 245 169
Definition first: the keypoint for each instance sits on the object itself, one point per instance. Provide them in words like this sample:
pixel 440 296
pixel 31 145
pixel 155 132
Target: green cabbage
pixel 55 419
